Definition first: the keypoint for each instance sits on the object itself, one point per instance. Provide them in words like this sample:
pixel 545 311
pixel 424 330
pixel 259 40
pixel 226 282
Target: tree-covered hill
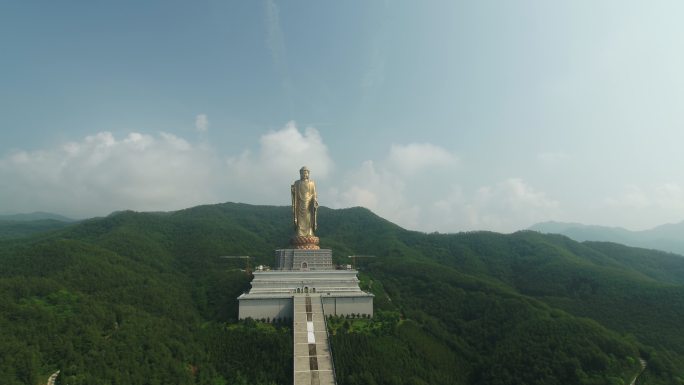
pixel 142 298
pixel 35 216
pixel 16 229
pixel 668 237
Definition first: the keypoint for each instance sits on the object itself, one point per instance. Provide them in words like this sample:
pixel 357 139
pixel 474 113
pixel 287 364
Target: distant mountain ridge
pixel 23 225
pixel 668 237
pixel 34 216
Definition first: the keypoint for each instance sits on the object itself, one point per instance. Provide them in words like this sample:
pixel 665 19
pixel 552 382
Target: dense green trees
pixel 108 302
pixel 14 229
pixel 141 298
pixel 462 330
pixel 251 351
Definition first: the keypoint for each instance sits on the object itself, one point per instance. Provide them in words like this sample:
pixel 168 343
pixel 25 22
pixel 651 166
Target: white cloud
pixel 201 123
pixel 412 186
pixel 507 206
pixel 633 197
pixel 379 190
pixel 521 196
pixel 393 187
pixel 399 189
pixel 265 177
pixel 100 174
pixel 670 196
pixel 414 157
pixel 665 196
pixel 639 207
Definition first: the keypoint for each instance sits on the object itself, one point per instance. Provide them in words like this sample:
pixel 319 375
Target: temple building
pixel 313 274
pixel 304 270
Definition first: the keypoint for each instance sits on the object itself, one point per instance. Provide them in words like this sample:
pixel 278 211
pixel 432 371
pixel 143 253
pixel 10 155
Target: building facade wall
pixel 272 308
pixel 292 282
pixel 266 308
pixel 300 272
pixel 303 260
pixel 346 306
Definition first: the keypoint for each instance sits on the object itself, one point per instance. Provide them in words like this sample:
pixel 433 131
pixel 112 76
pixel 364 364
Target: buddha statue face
pixel 304 173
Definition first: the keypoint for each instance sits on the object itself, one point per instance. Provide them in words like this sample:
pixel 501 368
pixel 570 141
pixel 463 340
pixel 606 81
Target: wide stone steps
pixel 312 356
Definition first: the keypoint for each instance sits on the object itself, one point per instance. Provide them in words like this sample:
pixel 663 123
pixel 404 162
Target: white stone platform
pixel 272 291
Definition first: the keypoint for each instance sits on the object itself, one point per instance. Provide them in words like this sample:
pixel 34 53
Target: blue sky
pixel 440 116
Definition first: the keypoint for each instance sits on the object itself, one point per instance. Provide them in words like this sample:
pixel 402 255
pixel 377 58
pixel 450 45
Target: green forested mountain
pixel 668 237
pixel 19 225
pixel 35 216
pixel 14 229
pixel 142 298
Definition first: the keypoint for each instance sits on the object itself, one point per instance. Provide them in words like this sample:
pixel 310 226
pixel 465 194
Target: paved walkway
pixel 643 367
pixel 53 378
pixel 312 356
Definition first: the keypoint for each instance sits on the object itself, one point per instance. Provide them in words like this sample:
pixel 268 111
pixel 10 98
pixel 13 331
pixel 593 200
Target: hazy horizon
pixel 442 117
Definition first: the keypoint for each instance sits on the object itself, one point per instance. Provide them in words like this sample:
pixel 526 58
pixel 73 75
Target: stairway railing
pixel 330 348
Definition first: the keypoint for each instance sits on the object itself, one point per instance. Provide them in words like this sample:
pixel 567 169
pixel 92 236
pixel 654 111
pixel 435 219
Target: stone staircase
pixel 312 356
